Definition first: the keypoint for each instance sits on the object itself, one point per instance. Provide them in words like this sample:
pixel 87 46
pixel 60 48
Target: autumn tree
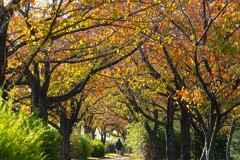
pixel 141 99
pixel 70 41
pixel 50 52
pixel 202 70
pixel 63 117
pixel 208 87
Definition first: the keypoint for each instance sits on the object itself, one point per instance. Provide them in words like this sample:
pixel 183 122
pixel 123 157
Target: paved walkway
pixel 117 158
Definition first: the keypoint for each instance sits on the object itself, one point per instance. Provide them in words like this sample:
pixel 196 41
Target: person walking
pixel 118 147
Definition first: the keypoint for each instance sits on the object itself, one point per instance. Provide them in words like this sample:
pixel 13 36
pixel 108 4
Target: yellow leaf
pixel 32 37
pixel 81 42
pixel 192 37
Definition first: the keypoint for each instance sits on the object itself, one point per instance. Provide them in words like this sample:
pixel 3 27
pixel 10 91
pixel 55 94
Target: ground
pixel 117 158
pixel 113 157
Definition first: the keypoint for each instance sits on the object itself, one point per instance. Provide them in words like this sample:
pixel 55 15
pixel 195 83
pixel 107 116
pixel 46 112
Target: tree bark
pixel 3 57
pixel 155 147
pixel 65 131
pixel 210 138
pixel 66 127
pixel 39 98
pixel 65 147
pixel 170 142
pixel 3 39
pixel 43 109
pixel 185 139
pixel 103 137
pixel 35 87
pixel 93 133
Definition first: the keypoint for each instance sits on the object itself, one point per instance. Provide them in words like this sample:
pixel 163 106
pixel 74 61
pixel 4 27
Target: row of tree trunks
pixel 171 107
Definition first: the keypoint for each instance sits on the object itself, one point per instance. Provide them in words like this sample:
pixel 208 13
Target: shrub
pixel 138 140
pixel 98 149
pixel 51 144
pixel 219 146
pixel 235 149
pixel 23 137
pixel 80 146
pixel 110 147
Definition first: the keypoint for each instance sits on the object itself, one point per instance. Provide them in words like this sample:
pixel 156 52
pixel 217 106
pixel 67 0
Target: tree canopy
pixel 111 63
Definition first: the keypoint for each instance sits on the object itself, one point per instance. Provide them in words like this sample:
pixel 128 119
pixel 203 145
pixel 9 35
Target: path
pixel 117 158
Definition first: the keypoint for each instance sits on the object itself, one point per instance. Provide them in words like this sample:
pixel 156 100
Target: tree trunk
pixel 66 128
pixel 93 133
pixel 203 156
pixel 205 152
pixel 65 146
pixel 3 57
pixel 155 147
pixel 103 137
pixel 185 139
pixel 228 155
pixel 170 142
pixel 43 109
pixel 38 96
pixel 210 138
pixel 3 39
pixel 65 131
pixel 88 125
pixel 35 86
pixel 209 152
pixel 39 103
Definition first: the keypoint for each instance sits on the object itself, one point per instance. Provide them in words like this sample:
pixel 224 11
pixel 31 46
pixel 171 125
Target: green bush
pixel 235 149
pixel 23 137
pixel 138 140
pixel 98 149
pixel 139 143
pixel 51 144
pixel 220 146
pixel 81 147
pixel 110 147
